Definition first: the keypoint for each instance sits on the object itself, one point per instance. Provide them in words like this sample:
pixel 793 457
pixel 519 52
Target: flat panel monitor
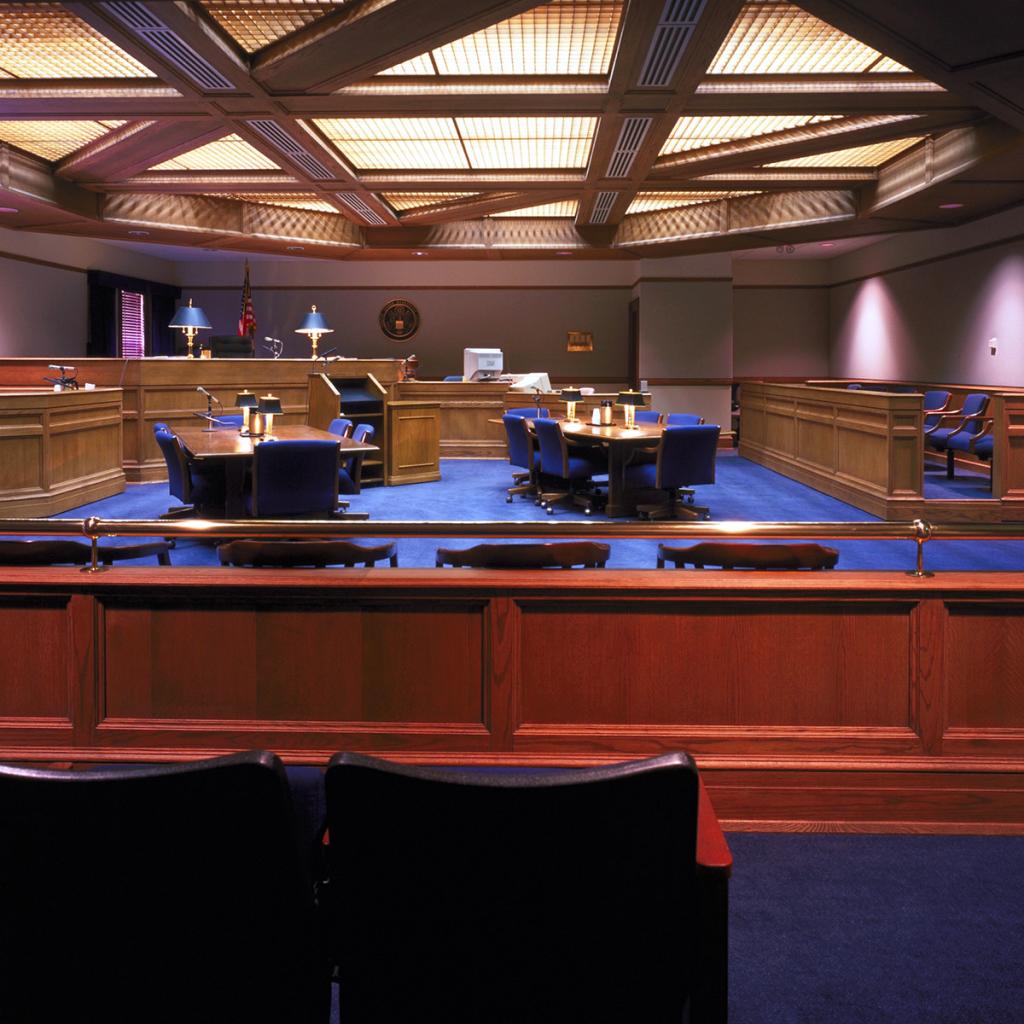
pixel 482 363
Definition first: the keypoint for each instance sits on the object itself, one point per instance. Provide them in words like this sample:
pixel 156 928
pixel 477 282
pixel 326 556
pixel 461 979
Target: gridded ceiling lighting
pixel 43 40
pixel 296 201
pixel 647 202
pixel 476 143
pixel 228 154
pixel 420 200
pixel 873 155
pixel 566 208
pixel 567 37
pixel 54 140
pixel 781 39
pixel 698 132
pixel 256 25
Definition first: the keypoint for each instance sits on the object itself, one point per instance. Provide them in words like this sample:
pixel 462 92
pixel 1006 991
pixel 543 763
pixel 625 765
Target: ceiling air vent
pixel 280 139
pixel 603 206
pixel 155 34
pixel 357 205
pixel 671 36
pixel 633 131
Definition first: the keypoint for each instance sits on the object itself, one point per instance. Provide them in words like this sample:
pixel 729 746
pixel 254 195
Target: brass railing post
pixel 923 532
pixel 93 529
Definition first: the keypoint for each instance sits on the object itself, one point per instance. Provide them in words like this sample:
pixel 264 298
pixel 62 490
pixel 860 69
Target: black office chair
pixel 560 555
pixel 294 478
pixel 167 894
pixel 727 555
pixel 316 553
pixel 464 896
pixel 75 552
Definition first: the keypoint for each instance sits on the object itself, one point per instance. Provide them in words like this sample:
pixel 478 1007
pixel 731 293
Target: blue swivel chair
pixel 341 427
pixel 232 420
pixel 451 378
pixel 294 478
pixel 686 456
pixel 530 412
pixel 520 453
pixel 683 419
pixel 201 491
pixel 647 416
pixel 565 477
pixel 192 884
pixel 968 421
pixel 350 470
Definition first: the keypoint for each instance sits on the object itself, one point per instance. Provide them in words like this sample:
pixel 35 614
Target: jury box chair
pixel 294 478
pixel 954 430
pixel 165 894
pixel 542 898
pixel 558 555
pixel 685 456
pixel 566 476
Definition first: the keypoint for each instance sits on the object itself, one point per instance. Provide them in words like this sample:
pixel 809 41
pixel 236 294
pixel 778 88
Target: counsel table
pixel 236 451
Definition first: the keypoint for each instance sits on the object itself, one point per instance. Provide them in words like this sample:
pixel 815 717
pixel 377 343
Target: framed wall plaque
pixel 399 319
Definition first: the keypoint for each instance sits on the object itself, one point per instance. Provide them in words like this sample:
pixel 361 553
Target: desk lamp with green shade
pixel 190 320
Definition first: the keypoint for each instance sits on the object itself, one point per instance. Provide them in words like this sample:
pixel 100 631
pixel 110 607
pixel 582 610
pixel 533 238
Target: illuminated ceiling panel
pixel 859 156
pixel 770 38
pixel 228 154
pixel 43 40
pixel 476 143
pixel 256 25
pixel 699 132
pixel 567 208
pixel 54 140
pixel 297 201
pixel 567 37
pixel 646 202
pixel 417 200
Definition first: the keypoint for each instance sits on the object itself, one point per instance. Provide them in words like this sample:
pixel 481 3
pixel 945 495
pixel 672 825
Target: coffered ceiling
pixel 506 128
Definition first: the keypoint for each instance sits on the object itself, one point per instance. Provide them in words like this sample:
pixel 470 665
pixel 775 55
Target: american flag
pixel 247 318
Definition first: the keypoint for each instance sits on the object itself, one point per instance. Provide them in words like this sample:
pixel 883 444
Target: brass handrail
pixel 917 531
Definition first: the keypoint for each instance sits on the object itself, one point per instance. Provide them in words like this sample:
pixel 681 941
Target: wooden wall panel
pixel 35 657
pixel 750 664
pixel 247 661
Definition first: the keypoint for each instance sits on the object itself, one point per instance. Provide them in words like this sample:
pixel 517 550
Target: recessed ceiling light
pixel 296 248
pixel 828 245
pixel 418 253
pixel 8 209
pixel 563 253
pixel 138 234
pixel 950 206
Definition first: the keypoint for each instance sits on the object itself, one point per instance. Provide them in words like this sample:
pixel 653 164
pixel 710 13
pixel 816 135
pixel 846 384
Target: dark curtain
pixel 161 302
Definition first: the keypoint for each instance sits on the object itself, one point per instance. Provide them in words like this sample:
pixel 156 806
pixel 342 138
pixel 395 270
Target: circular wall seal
pixel 399 319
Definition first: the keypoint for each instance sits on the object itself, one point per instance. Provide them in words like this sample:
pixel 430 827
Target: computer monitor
pixel 482 363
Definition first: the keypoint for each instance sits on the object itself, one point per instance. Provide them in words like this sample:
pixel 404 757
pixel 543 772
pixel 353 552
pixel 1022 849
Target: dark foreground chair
pixel 684 456
pixel 463 896
pixel 76 552
pixel 294 478
pixel 567 474
pixel 169 894
pixel 564 555
pixel 749 556
pixel 316 553
pixel 520 453
pixel 200 487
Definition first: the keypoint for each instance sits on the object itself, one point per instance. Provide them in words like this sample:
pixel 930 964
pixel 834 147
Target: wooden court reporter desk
pixel 164 390
pixel 58 450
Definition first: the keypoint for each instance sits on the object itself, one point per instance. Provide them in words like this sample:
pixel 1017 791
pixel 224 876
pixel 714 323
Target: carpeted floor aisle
pixel 474 489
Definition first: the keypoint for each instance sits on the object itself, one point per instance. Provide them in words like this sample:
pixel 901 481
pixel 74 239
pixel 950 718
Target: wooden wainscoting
pixel 838 700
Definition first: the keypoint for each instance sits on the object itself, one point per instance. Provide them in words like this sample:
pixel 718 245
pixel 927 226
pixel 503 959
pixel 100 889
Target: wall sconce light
pixel 570 396
pixel 246 401
pixel 580 341
pixel 190 320
pixel 314 325
pixel 269 407
pixel 629 400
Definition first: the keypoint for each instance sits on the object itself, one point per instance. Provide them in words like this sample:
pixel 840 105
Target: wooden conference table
pixel 621 444
pixel 236 451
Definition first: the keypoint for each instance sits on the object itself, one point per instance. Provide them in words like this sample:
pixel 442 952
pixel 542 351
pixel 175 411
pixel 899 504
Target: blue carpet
pixel 474 489
pixel 835 929
pixel 964 486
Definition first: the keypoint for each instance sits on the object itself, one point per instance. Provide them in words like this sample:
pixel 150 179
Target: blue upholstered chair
pixel 520 453
pixel 192 872
pixel 686 455
pixel 955 429
pixel 201 490
pixel 231 421
pixel 648 416
pixel 350 469
pixel 422 859
pixel 934 402
pixel 565 477
pixel 683 419
pixel 451 378
pixel 984 446
pixel 294 478
pixel 530 412
pixel 342 427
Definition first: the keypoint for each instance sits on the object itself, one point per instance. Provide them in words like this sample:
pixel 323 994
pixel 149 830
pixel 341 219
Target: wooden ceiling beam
pixel 482 206
pixel 44 99
pixel 352 45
